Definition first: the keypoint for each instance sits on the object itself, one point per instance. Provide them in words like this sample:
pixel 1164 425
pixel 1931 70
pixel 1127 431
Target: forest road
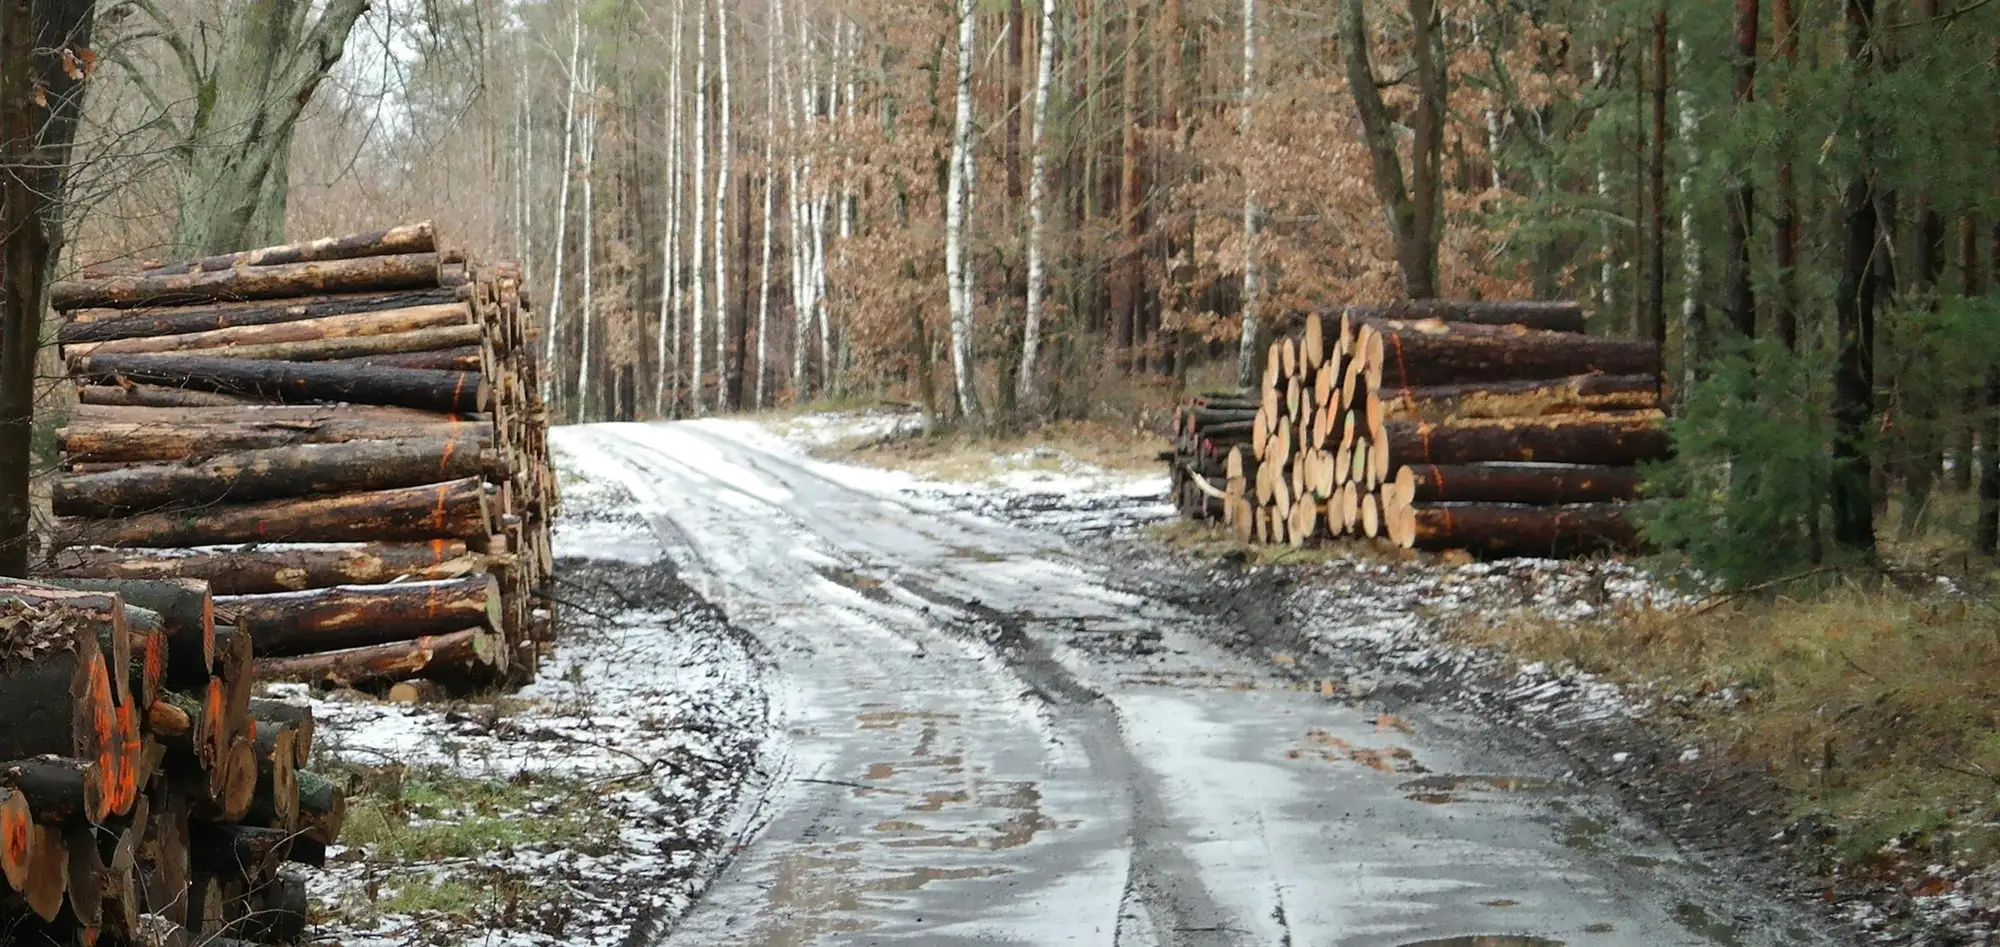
pixel 987 736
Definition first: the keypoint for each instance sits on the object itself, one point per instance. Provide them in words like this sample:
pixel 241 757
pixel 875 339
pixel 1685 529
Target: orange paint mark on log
pixel 444 463
pixel 17 838
pixel 437 551
pixel 155 664
pixel 437 515
pixel 131 746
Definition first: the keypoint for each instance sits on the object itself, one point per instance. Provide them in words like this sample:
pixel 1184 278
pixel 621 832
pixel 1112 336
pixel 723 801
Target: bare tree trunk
pixel 770 184
pixel 700 184
pixel 670 243
pixel 1038 213
pixel 1246 347
pixel 1854 306
pixel 958 266
pixel 1694 317
pixel 723 147
pixel 1656 293
pixel 795 208
pixel 1785 229
pixel 1742 299
pixel 587 313
pixel 239 147
pixel 1415 209
pixel 551 389
pixel 1607 267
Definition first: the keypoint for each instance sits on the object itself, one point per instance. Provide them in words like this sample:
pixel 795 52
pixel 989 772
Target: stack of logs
pixel 345 437
pixel 1498 428
pixel 145 796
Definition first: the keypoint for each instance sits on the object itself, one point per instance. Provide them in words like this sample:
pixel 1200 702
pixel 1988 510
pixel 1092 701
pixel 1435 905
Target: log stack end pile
pixel 345 437
pixel 1497 428
pixel 146 796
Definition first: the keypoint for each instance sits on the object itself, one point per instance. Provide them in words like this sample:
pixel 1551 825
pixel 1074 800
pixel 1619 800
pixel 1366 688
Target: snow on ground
pixel 590 808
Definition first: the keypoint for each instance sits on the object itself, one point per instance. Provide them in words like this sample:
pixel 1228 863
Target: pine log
pixel 284 624
pixel 255 571
pixel 49 874
pixel 273 473
pixel 235 851
pixel 279 912
pixel 465 358
pixel 1435 353
pixel 58 789
pixel 1600 439
pixel 1495 529
pixel 322 807
pixel 407 238
pixel 102 325
pixel 297 382
pixel 298 718
pixel 1532 314
pixel 155 396
pixel 275 803
pixel 388 663
pixel 187 619
pixel 249 341
pixel 367 274
pixel 164 878
pixel 453 510
pixel 17 838
pixel 1583 393
pixel 1535 484
pixel 344 349
pixel 86 876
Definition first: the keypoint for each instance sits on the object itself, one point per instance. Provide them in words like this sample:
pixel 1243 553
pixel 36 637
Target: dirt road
pixel 991 735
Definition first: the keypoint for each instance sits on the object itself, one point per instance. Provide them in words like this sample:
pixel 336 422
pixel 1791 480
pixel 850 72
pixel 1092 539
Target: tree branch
pixel 170 34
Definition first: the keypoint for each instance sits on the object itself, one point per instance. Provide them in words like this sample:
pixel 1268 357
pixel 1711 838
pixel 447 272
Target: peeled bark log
pixel 368 274
pixel 388 663
pixel 1611 440
pixel 454 510
pixel 101 325
pixel 248 341
pixel 125 442
pixel 155 396
pixel 293 623
pixel 408 238
pixel 1539 485
pixel 252 572
pixel 465 358
pixel 1493 529
pixel 1532 397
pixel 274 473
pixel 1437 353
pixel 297 382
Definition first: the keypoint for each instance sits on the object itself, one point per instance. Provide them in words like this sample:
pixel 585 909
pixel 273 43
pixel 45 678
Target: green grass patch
pixel 403 815
pixel 964 455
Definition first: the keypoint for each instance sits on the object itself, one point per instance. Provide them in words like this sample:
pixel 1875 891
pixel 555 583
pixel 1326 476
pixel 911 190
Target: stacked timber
pixel 1493 427
pixel 344 436
pixel 143 790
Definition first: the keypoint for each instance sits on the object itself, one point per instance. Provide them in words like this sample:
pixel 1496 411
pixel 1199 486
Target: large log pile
pixel 1494 427
pixel 144 792
pixel 344 436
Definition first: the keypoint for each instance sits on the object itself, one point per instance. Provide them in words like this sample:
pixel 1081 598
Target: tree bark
pixel 1656 167
pixel 551 390
pixel 464 358
pixel 1740 204
pixel 1499 530
pixel 1597 439
pixel 261 570
pixel 408 238
pixel 298 382
pixel 129 442
pixel 272 474
pixel 252 338
pixel 387 663
pixel 1538 485
pixel 1531 397
pixel 696 274
pixel 1031 335
pixel 959 187
pixel 1422 354
pixel 1785 228
pixel 104 325
pixel 723 148
pixel 368 274
pixel 455 510
pixel 291 623
pixel 1248 339
pixel 1415 207
pixel 1854 308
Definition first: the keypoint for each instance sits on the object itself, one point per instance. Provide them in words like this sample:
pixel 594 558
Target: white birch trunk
pixel 1694 336
pixel 1246 352
pixel 549 388
pixel 527 241
pixel 670 243
pixel 826 378
pixel 723 146
pixel 770 184
pixel 958 268
pixel 795 247
pixel 700 185
pixel 1031 333
pixel 589 311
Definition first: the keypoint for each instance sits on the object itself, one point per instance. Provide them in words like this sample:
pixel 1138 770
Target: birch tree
pixel 958 267
pixel 1031 333
pixel 770 184
pixel 723 146
pixel 587 313
pixel 700 183
pixel 668 363
pixel 551 391
pixel 1246 350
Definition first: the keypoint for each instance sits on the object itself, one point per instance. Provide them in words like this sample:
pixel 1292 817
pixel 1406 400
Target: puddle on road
pixel 1333 749
pixel 816 895
pixel 1443 788
pixel 1487 940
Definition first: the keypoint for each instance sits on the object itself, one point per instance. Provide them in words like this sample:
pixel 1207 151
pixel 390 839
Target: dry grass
pixel 1054 447
pixel 1206 540
pixel 1875 706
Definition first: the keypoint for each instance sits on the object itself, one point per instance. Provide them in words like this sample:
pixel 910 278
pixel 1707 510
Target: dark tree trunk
pixel 1785 228
pixel 1854 308
pixel 1742 301
pixel 1656 167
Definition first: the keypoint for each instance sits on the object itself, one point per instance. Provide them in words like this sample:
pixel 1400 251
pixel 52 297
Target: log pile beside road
pixel 345 437
pixel 146 796
pixel 1498 428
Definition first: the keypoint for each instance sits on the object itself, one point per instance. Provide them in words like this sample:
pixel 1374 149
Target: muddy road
pixel 990 734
